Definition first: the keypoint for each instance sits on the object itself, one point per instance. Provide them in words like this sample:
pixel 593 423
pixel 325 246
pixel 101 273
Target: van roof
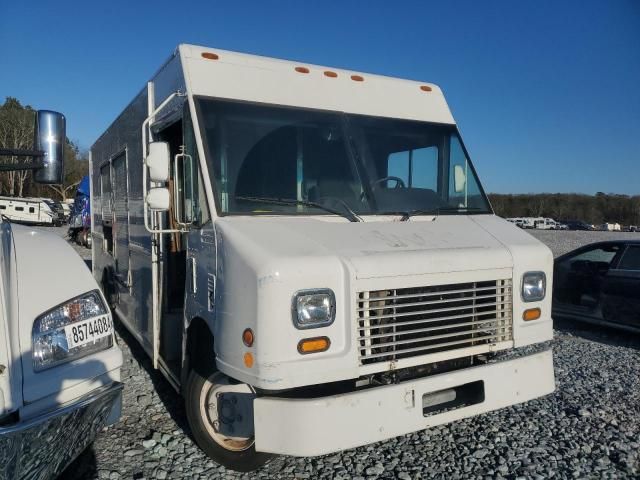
pixel 231 75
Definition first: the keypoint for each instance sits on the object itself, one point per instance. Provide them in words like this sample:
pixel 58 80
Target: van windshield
pixel 306 159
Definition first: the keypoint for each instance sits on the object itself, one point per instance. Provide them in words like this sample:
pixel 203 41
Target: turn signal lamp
pixel 248 360
pixel 210 56
pixel 247 337
pixel 314 345
pixel 531 314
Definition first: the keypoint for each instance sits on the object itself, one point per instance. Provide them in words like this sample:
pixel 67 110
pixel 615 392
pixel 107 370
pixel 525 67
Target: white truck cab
pixel 59 364
pixel 309 257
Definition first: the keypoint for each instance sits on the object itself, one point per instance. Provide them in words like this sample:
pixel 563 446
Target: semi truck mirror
pixel 459 178
pixel 157 162
pixel 158 199
pixel 49 137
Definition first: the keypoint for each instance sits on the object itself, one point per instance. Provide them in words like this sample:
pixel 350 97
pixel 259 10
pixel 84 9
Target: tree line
pixel 16 131
pixel 594 209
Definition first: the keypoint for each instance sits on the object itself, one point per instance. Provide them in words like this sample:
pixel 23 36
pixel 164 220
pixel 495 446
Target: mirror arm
pixel 14 167
pixel 17 152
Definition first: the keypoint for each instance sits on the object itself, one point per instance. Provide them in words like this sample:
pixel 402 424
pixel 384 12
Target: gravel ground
pixel 589 428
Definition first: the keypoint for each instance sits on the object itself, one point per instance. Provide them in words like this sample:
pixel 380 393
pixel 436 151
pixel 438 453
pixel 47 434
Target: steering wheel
pixel 398 180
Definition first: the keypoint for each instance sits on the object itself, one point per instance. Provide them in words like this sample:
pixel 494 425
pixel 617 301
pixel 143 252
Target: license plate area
pixel 88 331
pixel 448 399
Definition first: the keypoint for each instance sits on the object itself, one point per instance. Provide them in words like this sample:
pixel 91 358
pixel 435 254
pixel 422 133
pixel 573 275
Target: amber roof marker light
pixel 302 69
pixel 426 88
pixel 357 78
pixel 210 56
pixel 330 74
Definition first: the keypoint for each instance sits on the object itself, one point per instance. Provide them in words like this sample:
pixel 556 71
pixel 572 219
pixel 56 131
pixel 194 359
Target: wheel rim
pixel 226 411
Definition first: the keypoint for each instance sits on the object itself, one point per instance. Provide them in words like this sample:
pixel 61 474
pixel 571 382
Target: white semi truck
pixel 308 256
pixel 59 364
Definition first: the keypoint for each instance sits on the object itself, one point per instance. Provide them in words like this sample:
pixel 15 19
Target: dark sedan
pixel 600 283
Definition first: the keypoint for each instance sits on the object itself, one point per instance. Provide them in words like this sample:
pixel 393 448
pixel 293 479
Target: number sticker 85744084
pixel 88 331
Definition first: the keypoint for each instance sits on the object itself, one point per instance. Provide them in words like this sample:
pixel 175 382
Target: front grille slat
pixel 430 302
pixel 401 323
pixel 436 310
pixel 433 337
pixel 430 320
pixel 433 329
pixel 401 297
pixel 422 349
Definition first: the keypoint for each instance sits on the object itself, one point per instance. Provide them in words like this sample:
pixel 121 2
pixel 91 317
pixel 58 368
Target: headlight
pixel 534 285
pixel 79 327
pixel 313 308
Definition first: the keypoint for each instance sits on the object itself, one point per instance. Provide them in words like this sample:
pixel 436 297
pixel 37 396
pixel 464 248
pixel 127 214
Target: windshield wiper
pixel 437 211
pixel 348 214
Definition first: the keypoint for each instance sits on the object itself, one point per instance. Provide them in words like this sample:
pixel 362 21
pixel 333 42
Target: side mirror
pixel 50 137
pixel 158 162
pixel 158 199
pixel 459 179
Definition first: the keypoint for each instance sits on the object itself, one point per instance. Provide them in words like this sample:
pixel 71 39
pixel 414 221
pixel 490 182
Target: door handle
pixel 194 277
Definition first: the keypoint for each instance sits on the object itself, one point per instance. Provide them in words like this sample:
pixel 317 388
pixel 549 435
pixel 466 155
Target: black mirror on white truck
pixel 49 134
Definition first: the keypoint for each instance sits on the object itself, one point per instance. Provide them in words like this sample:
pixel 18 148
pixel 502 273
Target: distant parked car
pixel 599 283
pixel 576 225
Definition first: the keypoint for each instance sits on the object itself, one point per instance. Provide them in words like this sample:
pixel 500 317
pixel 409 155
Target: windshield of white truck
pixel 283 160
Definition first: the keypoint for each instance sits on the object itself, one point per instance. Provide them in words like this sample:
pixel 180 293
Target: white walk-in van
pixel 308 256
pixel 59 364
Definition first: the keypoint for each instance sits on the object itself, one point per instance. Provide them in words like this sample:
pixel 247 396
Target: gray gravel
pixel 589 428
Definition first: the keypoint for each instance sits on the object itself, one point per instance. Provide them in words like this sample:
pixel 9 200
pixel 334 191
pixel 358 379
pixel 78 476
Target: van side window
pixel 32 210
pixel 417 168
pixel 630 259
pixel 19 209
pixel 195 202
pixel 3 207
pixel 107 211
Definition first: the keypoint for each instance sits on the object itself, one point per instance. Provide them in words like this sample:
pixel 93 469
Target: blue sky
pixel 546 93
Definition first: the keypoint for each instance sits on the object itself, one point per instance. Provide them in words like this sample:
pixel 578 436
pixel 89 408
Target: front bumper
pixel 42 447
pixel 318 426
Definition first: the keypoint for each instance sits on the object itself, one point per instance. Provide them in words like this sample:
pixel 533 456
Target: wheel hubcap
pixel 227 411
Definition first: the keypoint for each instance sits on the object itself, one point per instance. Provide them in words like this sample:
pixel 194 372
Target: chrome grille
pixel 407 322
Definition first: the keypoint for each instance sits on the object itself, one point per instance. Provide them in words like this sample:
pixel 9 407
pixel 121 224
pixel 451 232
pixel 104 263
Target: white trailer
pixel 308 256
pixel 31 211
pixel 59 363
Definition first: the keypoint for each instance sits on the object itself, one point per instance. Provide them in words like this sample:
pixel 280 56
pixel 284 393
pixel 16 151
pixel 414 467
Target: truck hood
pixel 372 248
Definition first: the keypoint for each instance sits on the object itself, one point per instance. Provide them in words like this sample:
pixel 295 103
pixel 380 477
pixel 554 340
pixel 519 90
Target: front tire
pixel 215 416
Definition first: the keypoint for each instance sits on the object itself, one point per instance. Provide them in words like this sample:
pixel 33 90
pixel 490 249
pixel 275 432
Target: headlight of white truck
pixel 313 308
pixel 534 285
pixel 79 327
